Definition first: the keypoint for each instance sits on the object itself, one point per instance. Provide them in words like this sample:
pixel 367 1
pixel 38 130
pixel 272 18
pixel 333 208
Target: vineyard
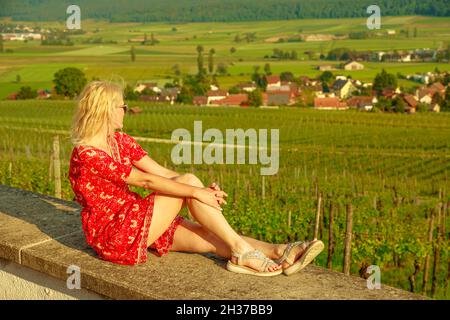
pixel 381 178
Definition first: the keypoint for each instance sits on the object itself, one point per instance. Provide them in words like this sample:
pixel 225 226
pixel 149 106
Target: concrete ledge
pixel 44 234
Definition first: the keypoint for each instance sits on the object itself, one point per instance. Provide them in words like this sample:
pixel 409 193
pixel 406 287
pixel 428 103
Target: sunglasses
pixel 124 107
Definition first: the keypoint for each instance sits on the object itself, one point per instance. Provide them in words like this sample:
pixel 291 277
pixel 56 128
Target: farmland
pixel 36 64
pixel 393 169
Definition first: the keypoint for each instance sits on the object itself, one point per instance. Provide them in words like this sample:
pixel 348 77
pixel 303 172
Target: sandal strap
pixel 287 251
pixel 253 254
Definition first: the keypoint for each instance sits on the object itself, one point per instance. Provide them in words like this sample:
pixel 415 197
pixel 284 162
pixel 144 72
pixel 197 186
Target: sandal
pixel 311 250
pixel 261 271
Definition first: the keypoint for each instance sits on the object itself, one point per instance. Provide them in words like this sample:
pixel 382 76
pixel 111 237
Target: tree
pixel 18 78
pixel 145 39
pixel 211 60
pixel 415 32
pixel 287 76
pixel 1 43
pixel 69 81
pixel 26 93
pixel 176 70
pixel 399 105
pixel 133 54
pixel 255 98
pixel 153 40
pixel 259 79
pixel 267 69
pixel 130 94
pixel 384 80
pixel 222 69
pixel 201 69
pixel 232 50
pixel 294 55
pixel 422 107
pixel 384 104
pixel 446 103
pixel 326 77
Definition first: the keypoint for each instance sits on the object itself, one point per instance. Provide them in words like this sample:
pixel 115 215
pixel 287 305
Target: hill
pixel 216 10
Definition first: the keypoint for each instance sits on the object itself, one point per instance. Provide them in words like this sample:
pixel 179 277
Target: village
pixel 325 92
pixel 343 93
pixel 330 90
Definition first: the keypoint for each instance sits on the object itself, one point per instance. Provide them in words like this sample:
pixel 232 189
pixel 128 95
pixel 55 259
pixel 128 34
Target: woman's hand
pixel 215 186
pixel 211 197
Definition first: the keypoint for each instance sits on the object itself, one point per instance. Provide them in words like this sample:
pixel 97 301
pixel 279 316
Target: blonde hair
pixel 94 110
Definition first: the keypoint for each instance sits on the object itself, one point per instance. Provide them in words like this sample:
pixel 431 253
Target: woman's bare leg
pixel 166 208
pixel 193 237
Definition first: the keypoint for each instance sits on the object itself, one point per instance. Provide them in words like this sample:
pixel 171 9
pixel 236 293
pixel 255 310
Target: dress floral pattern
pixel 115 220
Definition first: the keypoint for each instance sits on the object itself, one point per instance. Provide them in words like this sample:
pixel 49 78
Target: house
pixel 148 98
pixel 434 107
pixel 12 96
pixel 214 95
pixel 169 94
pixel 391 32
pixel 273 81
pixel 424 95
pixel 343 88
pixel 232 100
pixel 277 98
pixel 423 78
pixel 213 87
pixel 439 88
pixel 405 58
pixel 325 67
pixel 390 93
pixel 247 86
pixel 411 103
pixel 362 102
pixel 353 65
pixel 200 100
pixel 148 85
pixel 43 94
pixel 378 56
pixel 329 104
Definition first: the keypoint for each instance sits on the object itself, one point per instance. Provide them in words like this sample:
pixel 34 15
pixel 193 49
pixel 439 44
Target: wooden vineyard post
pixel 427 257
pixel 263 191
pixel 50 169
pixel 330 238
pixel 289 219
pixel 348 239
pixel 57 167
pixel 10 171
pixel 316 227
pixel 437 243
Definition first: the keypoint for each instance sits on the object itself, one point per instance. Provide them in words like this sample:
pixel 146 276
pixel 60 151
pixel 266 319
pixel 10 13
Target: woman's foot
pixel 294 255
pixel 253 262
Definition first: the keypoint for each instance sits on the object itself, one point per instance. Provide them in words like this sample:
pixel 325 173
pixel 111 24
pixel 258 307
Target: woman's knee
pixel 191 179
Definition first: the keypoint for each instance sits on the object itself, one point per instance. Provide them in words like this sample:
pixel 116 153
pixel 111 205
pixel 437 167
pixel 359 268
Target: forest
pixel 178 11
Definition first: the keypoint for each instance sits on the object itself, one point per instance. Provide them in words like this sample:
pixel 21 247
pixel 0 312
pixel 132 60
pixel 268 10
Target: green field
pixel 36 64
pixel 390 167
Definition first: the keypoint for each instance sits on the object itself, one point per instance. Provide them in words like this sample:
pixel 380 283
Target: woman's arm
pixel 168 186
pixel 149 165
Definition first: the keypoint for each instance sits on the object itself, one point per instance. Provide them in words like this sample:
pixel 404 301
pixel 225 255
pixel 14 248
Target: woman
pixel 120 225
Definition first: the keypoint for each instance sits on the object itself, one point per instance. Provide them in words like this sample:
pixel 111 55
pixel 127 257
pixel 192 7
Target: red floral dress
pixel 115 220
